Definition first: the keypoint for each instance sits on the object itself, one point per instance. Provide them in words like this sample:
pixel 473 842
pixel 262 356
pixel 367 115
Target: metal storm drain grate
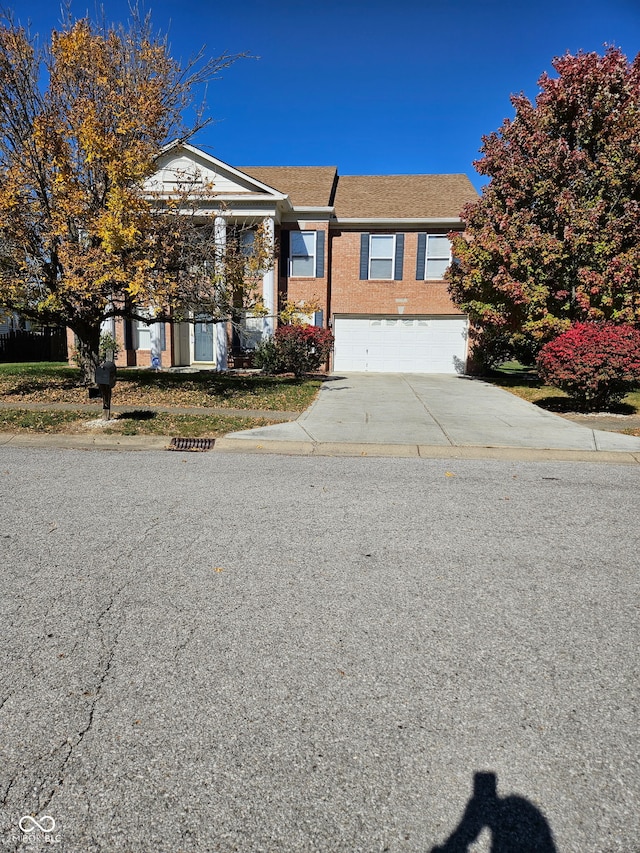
pixel 192 444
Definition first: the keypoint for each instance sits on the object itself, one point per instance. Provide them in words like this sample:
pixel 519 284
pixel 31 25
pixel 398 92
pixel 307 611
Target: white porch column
pixel 108 327
pixel 269 287
pixel 220 353
pixel 155 345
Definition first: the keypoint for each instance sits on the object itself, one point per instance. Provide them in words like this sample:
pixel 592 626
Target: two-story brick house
pixel 371 251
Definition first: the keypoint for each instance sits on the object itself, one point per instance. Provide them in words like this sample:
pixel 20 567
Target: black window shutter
pixel 319 254
pixel 420 260
pixel 284 254
pixel 163 337
pixel 399 260
pixel 364 257
pixel 128 334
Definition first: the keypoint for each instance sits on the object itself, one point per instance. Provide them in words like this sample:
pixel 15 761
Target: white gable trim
pixel 219 167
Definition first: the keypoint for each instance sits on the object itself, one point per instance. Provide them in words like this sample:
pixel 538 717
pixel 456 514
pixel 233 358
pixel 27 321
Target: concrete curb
pixel 310 448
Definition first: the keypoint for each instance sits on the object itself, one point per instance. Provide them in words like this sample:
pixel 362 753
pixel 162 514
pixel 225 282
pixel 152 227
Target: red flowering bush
pixel 294 349
pixel 596 364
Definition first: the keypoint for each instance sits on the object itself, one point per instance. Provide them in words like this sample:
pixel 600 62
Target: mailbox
pixel 106 374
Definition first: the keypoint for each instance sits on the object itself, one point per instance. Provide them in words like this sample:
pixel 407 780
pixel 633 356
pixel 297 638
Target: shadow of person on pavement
pixel 516 825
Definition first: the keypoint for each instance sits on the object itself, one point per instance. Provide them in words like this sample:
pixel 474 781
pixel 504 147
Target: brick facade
pixel 350 295
pixel 299 289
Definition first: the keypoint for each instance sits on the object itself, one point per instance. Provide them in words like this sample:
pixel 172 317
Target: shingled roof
pixel 402 196
pixel 306 186
pixel 369 196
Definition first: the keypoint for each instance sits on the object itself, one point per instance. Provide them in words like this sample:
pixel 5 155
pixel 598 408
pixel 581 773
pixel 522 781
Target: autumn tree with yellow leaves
pixel 83 119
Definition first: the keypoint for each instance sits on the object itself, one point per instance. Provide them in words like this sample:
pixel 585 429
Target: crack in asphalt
pixel 180 647
pixel 72 747
pixel 5 796
pixel 114 596
pixel 64 752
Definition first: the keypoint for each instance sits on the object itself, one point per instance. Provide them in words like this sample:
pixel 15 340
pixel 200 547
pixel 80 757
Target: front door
pixel 203 338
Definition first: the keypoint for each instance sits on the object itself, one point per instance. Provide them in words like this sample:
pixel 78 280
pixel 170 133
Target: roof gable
pixel 184 166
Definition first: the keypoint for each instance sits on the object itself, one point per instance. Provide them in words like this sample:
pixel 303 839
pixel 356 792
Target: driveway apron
pixel 432 410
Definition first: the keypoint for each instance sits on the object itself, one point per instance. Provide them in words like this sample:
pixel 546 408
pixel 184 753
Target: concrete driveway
pixel 426 414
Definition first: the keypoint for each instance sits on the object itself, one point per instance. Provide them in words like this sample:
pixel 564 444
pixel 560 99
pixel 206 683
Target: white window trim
pixel 141 326
pixel 392 258
pixel 428 258
pixel 292 256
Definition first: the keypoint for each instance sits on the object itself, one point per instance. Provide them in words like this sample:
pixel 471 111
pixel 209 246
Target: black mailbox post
pixel 105 380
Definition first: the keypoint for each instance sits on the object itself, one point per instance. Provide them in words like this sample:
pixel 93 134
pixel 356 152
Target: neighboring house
pixel 370 250
pixel 12 322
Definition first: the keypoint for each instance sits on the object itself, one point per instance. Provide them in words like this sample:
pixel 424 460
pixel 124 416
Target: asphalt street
pixel 230 652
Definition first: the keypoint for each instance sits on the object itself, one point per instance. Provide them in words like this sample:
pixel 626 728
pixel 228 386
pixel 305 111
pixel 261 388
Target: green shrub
pixel 109 346
pixel 294 349
pixel 265 356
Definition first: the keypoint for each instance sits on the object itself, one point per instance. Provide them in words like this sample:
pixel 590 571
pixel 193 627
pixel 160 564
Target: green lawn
pixel 185 426
pixel 48 382
pixel 142 422
pixel 23 420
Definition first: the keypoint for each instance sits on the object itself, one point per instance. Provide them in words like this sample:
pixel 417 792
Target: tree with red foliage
pixel 555 236
pixel 595 363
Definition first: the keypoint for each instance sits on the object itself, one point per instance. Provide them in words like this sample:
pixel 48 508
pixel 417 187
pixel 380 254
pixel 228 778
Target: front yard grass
pixel 524 382
pixel 141 422
pixel 54 382
pixel 25 420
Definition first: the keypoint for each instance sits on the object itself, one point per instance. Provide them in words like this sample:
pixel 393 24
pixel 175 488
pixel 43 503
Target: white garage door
pixel 400 345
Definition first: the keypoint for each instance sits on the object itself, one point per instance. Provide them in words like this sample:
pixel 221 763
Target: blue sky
pixel 396 87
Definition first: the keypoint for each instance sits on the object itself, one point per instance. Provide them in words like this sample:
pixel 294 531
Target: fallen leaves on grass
pixel 183 426
pixel 25 420
pixel 60 384
pixel 153 423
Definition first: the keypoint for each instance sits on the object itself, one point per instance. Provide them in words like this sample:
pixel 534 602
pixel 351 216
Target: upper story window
pixel 382 250
pixel 381 256
pixel 437 256
pixel 303 254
